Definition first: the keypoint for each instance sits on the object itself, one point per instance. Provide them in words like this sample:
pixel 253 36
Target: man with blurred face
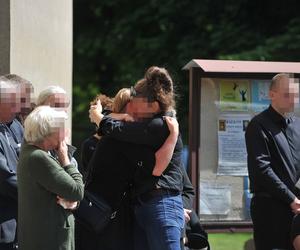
pixel 273 147
pixel 284 94
pixel 26 91
pixel 11 135
pixel 9 106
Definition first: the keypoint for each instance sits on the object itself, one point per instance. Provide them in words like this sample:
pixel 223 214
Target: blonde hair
pixel 41 122
pixel 120 100
pixel 48 92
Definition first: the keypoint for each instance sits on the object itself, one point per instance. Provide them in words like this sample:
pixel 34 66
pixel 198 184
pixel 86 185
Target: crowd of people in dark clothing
pixel 133 161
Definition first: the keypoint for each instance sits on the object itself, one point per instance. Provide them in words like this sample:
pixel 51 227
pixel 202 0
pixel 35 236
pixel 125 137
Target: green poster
pixel 234 95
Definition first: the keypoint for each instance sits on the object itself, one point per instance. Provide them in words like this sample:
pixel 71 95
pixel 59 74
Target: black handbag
pixel 197 236
pixel 94 212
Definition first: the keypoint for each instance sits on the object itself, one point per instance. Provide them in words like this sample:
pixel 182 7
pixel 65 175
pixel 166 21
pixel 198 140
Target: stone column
pixel 4 36
pixel 36 42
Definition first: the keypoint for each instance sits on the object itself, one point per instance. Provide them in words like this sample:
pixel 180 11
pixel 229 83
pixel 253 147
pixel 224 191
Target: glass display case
pixel 224 96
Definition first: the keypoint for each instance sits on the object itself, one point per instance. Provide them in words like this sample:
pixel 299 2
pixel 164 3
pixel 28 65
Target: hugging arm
pixel 163 156
pixel 152 133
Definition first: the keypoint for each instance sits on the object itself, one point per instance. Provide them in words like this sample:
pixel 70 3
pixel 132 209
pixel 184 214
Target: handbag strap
pixel 114 213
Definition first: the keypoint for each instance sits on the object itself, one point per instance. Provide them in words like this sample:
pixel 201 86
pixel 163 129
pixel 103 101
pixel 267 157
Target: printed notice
pixel 260 95
pixel 232 155
pixel 215 198
pixel 234 95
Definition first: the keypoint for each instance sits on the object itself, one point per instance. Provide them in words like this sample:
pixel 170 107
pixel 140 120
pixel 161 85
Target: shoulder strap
pixel 114 213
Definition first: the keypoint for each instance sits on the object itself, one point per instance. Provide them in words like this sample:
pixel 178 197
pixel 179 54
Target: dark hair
pixel 157 85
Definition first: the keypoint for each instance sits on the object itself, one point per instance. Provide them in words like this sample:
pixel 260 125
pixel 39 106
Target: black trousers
pixel 272 221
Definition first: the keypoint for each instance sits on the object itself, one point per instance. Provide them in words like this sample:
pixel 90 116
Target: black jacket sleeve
pixel 188 192
pixel 152 132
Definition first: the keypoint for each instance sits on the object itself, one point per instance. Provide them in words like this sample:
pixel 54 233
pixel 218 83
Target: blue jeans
pixel 159 223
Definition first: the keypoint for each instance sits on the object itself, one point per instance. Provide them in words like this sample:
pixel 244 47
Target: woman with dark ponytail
pixel 157 86
pixel 158 208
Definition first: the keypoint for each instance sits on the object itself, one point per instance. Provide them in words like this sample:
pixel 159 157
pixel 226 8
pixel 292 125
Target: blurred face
pixel 285 95
pixel 26 99
pixel 55 138
pixel 9 104
pixel 140 107
pixel 60 101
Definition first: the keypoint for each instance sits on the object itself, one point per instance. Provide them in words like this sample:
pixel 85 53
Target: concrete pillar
pixel 4 36
pixel 36 38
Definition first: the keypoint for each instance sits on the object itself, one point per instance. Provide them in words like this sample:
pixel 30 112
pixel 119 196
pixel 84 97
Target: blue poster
pixel 260 95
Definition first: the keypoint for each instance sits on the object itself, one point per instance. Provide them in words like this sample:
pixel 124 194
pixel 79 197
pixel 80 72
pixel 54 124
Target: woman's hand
pixel 295 205
pixel 121 117
pixel 187 213
pixel 66 204
pixel 95 113
pixel 172 125
pixel 62 153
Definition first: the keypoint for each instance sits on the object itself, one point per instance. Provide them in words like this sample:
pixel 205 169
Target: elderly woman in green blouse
pixel 49 188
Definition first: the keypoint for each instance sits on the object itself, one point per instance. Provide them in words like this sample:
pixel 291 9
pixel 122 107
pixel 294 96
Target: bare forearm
pixel 164 155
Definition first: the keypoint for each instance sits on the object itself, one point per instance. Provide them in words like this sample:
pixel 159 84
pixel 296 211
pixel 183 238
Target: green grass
pixel 228 241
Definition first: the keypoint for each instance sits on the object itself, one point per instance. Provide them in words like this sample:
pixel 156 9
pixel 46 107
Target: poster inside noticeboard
pixel 227 106
pixel 243 95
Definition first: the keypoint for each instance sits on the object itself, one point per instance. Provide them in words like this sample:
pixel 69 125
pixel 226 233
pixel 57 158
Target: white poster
pixel 232 154
pixel 215 198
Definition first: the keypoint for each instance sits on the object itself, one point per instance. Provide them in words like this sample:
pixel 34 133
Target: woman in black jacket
pixel 112 168
pixel 158 210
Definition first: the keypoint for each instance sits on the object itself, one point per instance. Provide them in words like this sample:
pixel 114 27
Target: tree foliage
pixel 116 40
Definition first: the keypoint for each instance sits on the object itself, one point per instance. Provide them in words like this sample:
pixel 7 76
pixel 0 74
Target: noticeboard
pixel 221 106
pixel 227 106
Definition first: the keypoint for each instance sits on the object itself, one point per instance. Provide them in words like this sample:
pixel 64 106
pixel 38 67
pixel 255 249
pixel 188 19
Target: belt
pixel 155 193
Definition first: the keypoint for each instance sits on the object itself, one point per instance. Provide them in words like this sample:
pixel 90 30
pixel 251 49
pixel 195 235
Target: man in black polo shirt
pixel 273 146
